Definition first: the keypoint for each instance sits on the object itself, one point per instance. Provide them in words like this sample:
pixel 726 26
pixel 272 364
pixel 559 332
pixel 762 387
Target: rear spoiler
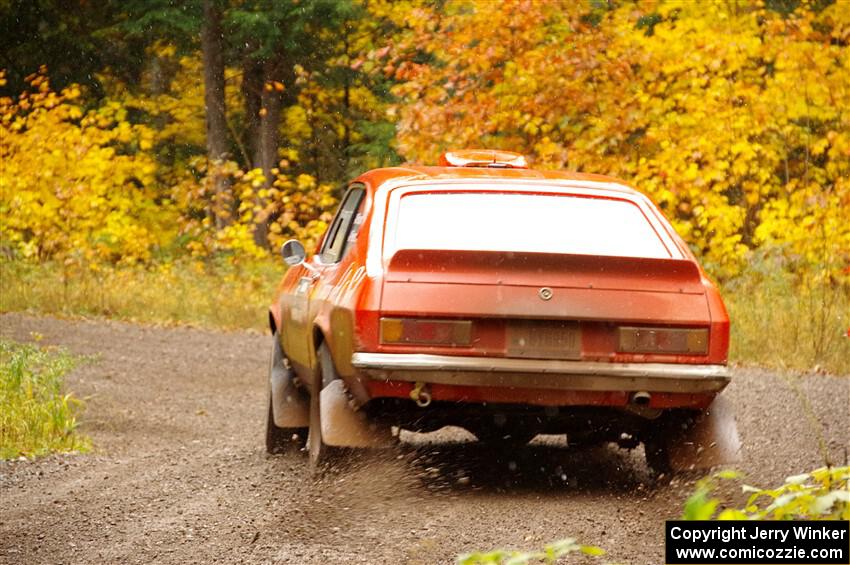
pixel 544 269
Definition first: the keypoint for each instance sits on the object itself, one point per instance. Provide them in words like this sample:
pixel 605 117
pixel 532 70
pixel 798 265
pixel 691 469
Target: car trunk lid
pixel 529 285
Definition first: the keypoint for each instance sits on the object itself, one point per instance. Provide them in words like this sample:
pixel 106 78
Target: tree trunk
pixel 252 89
pixel 268 140
pixel 216 121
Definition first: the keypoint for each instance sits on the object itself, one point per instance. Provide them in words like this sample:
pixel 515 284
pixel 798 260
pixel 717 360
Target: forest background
pixel 154 154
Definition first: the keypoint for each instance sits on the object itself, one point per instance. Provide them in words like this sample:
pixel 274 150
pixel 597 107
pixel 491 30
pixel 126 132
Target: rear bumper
pixel 542 373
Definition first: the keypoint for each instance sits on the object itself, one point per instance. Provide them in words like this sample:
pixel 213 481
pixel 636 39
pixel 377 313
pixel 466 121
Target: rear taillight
pixel 426 332
pixel 663 340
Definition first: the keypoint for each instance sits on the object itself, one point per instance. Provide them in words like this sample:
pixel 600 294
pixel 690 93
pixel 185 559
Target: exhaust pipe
pixel 641 398
pixel 421 395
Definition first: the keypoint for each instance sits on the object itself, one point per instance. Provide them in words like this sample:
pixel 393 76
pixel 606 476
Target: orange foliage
pixel 734 119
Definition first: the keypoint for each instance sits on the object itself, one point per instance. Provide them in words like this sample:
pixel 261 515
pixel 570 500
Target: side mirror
pixel 293 252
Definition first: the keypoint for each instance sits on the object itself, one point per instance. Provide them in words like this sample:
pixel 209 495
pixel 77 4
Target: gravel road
pixel 179 473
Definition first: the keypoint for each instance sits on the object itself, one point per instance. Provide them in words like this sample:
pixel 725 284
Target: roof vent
pixel 483 158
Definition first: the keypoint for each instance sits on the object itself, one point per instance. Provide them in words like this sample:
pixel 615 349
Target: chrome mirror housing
pixel 293 252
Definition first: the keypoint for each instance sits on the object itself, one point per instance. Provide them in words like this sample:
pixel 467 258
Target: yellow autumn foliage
pixel 87 186
pixel 294 206
pixel 76 183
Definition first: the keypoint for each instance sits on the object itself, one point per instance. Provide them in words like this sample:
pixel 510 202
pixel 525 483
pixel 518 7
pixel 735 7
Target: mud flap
pixel 290 405
pixel 342 426
pixel 711 440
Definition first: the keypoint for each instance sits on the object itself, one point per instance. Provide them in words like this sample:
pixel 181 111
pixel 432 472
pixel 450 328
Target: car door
pixel 296 323
pixel 312 291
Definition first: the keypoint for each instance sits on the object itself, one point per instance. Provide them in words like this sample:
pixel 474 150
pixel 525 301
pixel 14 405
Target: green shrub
pixel 36 416
pixel 823 494
pixel 549 554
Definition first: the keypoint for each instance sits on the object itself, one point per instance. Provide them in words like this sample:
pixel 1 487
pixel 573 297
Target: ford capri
pixel 508 301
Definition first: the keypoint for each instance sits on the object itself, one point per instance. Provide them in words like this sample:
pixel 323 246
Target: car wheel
pixel 321 454
pixel 280 440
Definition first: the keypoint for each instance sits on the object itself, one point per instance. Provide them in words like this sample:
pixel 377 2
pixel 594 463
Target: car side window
pixel 338 234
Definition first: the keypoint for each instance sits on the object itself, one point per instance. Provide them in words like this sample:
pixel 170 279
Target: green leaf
pixel 783 500
pixel 699 506
pixel 479 558
pixel 562 547
pixel 732 514
pixel 592 550
pixel 797 479
pixel 521 558
pixel 824 504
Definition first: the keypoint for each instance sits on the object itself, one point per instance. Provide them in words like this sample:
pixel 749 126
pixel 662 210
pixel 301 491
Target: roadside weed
pixel 201 293
pixel 549 554
pixel 36 415
pixel 822 494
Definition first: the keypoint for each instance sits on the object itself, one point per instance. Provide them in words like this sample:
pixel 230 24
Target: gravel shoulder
pixel 179 473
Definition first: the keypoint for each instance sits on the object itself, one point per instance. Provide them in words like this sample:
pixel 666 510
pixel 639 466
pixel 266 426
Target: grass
pixel 776 321
pixel 36 415
pixel 187 292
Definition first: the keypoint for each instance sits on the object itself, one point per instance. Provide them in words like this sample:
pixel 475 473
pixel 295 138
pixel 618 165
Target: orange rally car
pixel 508 301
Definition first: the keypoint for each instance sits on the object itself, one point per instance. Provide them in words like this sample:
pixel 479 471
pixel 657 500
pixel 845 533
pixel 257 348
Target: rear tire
pixel 281 440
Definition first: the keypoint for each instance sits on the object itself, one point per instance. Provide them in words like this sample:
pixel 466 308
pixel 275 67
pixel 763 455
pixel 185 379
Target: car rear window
pixel 543 223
